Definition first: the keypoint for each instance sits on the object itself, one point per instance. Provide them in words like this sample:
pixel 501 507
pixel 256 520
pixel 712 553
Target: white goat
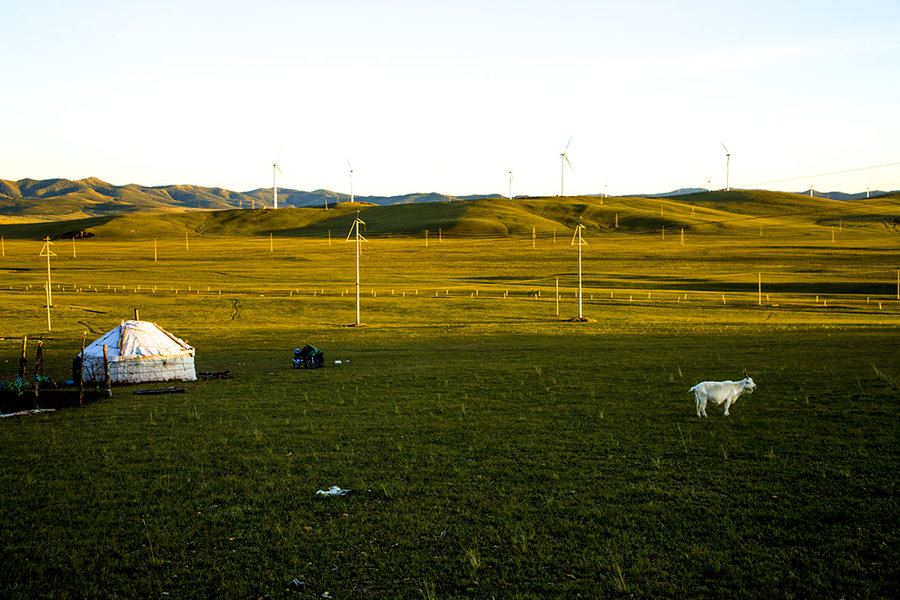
pixel 719 392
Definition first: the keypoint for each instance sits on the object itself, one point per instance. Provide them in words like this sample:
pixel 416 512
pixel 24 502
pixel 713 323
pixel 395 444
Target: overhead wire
pixel 894 164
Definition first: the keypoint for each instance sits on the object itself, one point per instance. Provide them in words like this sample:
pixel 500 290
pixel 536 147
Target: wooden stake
pixel 38 364
pixel 187 246
pixel 39 359
pixel 80 372
pixel 23 361
pixel 533 237
pixel 271 246
pixel 136 316
pixel 73 249
pixel 106 379
pixel 154 249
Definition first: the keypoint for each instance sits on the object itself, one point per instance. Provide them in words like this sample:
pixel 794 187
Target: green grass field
pixel 493 448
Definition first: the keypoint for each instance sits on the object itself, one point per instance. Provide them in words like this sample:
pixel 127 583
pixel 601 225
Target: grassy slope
pixel 493 449
pixel 712 211
pixel 92 197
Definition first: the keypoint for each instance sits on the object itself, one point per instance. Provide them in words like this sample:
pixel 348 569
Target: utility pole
pixel 579 240
pixel 355 229
pixel 46 251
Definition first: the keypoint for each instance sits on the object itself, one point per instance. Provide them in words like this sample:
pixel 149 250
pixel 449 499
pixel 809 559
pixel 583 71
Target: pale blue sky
pixel 449 96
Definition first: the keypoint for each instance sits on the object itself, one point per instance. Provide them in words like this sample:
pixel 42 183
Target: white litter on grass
pixel 337 362
pixel 33 411
pixel 333 491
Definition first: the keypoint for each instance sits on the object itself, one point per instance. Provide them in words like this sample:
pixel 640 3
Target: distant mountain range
pixel 63 198
pixel 94 197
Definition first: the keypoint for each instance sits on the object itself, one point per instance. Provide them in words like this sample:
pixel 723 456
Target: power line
pixel 824 174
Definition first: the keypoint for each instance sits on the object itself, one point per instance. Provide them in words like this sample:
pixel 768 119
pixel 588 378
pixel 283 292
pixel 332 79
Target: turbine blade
pixel 726 149
pixel 569 143
pixel 569 163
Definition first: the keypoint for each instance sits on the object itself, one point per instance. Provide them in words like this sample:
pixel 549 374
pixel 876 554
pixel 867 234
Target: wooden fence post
pixel 38 369
pixel 81 372
pixel 23 361
pixel 39 359
pixel 107 382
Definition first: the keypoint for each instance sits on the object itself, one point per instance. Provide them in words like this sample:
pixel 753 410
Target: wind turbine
pixel 275 170
pixel 351 178
pixel 727 167
pixel 510 184
pixel 563 159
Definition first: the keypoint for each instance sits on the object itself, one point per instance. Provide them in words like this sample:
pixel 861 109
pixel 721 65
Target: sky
pixel 449 97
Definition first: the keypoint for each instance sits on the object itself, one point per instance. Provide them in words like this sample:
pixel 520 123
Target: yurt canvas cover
pixel 139 351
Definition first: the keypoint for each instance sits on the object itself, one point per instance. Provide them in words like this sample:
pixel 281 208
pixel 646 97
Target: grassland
pixel 493 448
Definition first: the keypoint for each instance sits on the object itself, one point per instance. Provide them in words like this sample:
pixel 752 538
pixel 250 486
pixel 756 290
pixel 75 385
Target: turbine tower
pixel 727 167
pixel 351 179
pixel 275 170
pixel 563 159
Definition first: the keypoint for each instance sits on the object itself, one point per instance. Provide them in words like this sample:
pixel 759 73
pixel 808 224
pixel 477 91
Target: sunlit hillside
pixel 704 212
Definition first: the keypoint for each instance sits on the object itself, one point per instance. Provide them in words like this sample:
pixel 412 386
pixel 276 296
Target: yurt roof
pixel 138 338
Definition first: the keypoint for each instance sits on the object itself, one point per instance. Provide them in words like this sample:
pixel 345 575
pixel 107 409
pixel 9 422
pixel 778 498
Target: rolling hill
pixel 31 199
pixel 711 211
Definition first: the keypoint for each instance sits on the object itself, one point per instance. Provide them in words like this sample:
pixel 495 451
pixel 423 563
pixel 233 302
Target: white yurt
pixel 139 351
